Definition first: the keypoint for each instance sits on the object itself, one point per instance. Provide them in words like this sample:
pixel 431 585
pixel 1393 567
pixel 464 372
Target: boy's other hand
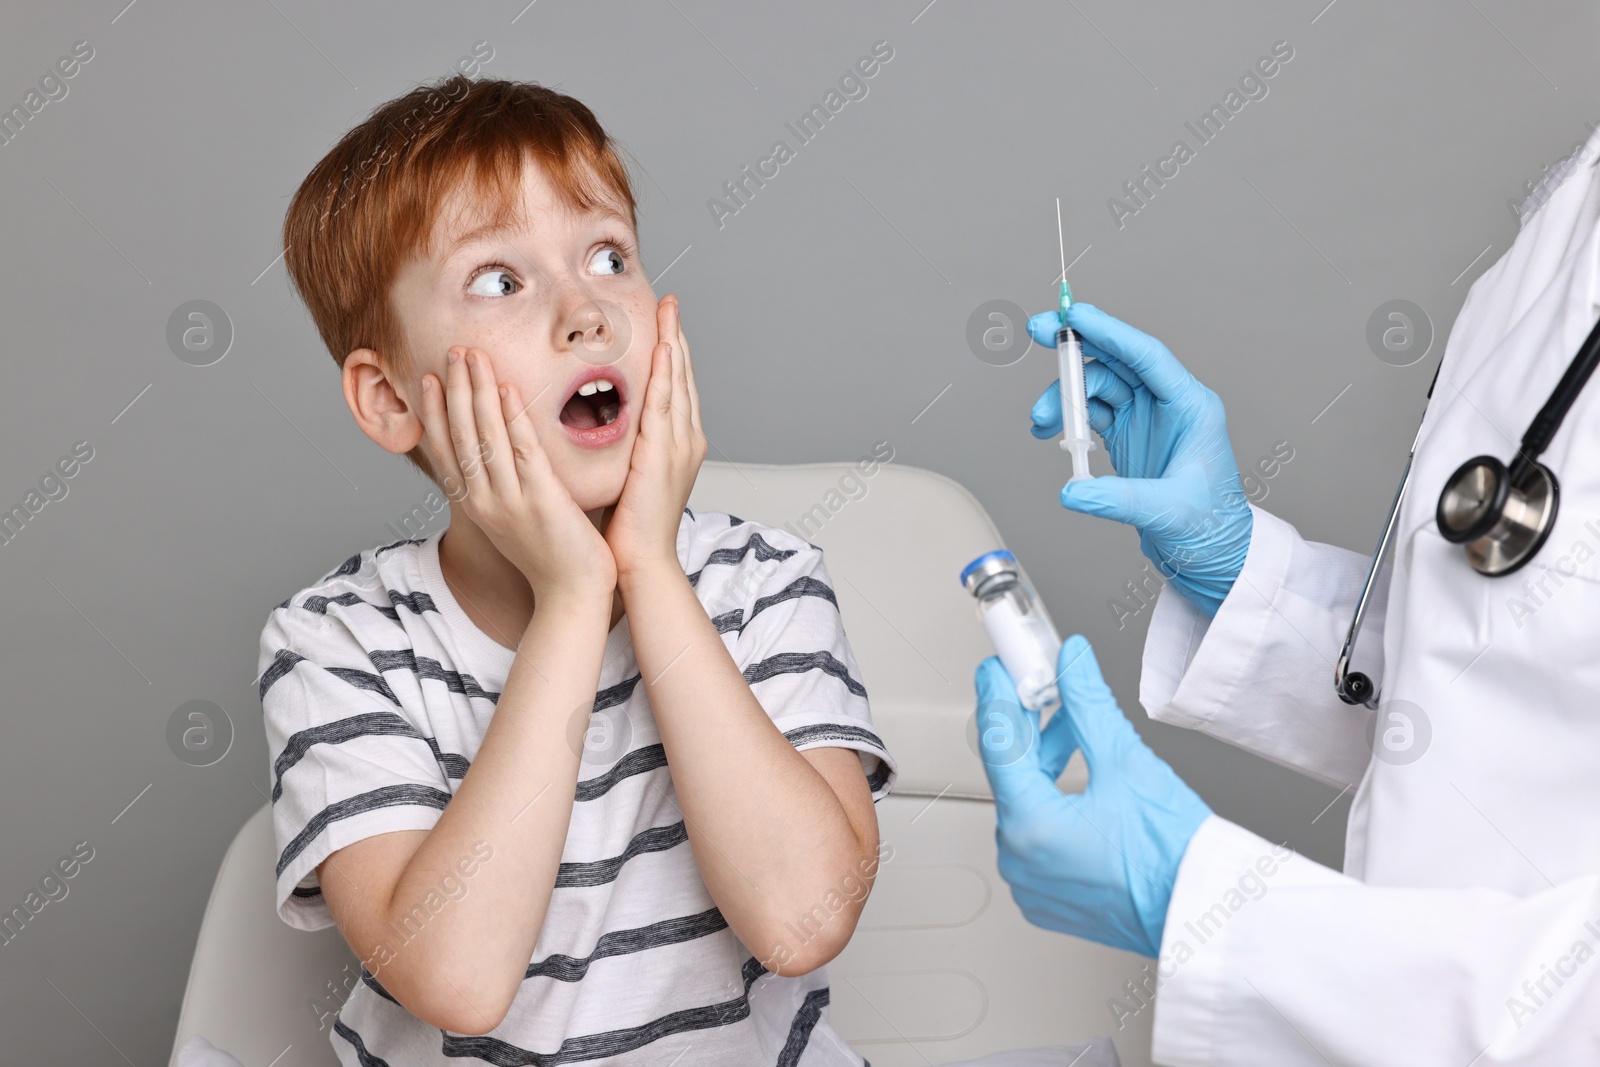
pixel 643 531
pixel 481 441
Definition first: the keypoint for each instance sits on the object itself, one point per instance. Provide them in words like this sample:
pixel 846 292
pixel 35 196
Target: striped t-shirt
pixel 377 690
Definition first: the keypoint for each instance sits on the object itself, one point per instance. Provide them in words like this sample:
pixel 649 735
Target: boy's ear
pixel 380 409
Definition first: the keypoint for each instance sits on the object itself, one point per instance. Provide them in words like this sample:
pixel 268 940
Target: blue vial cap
pixel 1000 554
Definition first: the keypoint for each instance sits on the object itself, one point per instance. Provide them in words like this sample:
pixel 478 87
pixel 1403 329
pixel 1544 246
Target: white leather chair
pixel 942 967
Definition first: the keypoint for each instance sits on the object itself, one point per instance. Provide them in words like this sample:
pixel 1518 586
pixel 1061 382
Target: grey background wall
pixel 829 312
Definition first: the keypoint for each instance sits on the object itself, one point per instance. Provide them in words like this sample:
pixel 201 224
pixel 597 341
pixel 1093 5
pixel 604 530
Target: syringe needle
pixel 1062 241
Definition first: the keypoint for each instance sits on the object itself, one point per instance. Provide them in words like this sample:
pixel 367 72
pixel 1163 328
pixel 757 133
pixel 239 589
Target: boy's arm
pixel 776 832
pixel 462 970
pixel 779 836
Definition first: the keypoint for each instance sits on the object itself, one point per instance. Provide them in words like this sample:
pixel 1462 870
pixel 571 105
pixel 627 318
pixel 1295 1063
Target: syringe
pixel 1075 438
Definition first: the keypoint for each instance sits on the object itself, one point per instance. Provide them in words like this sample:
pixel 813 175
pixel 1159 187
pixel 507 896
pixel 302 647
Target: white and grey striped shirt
pixel 377 690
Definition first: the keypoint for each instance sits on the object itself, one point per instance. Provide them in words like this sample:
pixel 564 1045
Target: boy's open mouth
pixel 593 404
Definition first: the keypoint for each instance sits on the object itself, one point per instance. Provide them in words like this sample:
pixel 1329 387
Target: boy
pixel 552 770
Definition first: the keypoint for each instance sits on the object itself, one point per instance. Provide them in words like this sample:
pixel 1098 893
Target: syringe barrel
pixel 1075 437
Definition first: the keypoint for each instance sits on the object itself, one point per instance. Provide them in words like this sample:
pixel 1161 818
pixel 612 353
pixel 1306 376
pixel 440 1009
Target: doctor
pixel 1465 928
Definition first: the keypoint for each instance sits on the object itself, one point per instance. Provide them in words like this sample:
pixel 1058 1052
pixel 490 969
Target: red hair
pixel 371 203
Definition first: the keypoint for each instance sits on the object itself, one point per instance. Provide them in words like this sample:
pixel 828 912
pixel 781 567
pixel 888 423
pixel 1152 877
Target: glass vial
pixel 1018 625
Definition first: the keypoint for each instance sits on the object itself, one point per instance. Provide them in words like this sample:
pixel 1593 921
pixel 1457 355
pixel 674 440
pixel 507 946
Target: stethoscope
pixel 1501 514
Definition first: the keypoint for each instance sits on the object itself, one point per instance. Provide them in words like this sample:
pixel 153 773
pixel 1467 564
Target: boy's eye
pixel 494 281
pixel 607 261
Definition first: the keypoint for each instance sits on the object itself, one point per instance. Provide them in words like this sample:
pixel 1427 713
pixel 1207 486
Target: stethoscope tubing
pixel 1356 687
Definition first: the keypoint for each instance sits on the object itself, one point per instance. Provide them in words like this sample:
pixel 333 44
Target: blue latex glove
pixel 1099 865
pixel 1177 481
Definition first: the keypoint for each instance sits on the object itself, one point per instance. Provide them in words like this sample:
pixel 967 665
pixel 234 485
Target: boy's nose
pixel 597 331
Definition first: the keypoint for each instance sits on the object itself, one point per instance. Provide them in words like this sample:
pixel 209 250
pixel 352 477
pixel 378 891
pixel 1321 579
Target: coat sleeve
pixel 1269 958
pixel 1259 674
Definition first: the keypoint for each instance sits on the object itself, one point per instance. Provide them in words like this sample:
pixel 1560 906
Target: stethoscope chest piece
pixel 1502 516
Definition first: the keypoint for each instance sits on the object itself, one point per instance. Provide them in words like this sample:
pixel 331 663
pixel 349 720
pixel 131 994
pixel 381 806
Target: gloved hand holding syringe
pixel 1075 437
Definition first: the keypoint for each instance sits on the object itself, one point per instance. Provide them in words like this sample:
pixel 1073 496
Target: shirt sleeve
pixel 345 760
pixel 778 607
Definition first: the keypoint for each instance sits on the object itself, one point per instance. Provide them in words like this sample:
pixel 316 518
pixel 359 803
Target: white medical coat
pixel 1465 929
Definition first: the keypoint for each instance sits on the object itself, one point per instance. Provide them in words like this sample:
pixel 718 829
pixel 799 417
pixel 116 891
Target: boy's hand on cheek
pixel 643 531
pixel 483 448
